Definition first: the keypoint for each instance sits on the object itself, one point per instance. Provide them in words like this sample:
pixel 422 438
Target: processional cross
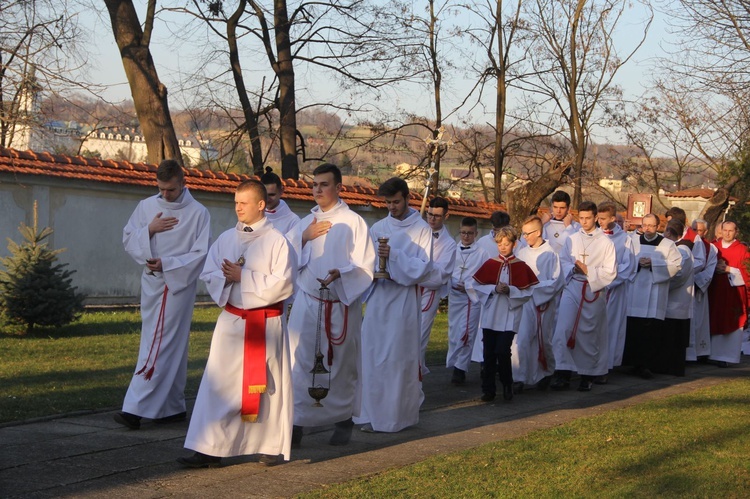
pixel 437 146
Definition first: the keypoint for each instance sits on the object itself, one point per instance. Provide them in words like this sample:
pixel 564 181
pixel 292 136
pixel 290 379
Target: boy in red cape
pixel 502 285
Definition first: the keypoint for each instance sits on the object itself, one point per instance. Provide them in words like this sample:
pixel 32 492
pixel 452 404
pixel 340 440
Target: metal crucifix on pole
pixel 438 147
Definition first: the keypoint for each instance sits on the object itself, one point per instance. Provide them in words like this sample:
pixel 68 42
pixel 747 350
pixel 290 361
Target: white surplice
pixel 649 291
pixel 435 288
pixel 557 233
pixel 583 306
pixel 287 222
pixel 539 314
pixel 700 327
pixel 182 251
pixel 617 294
pixel 391 384
pixel 216 426
pixel 347 247
pixel 680 298
pixel 463 314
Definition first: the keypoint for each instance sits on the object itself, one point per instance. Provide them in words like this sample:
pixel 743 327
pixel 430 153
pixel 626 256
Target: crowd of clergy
pixel 560 297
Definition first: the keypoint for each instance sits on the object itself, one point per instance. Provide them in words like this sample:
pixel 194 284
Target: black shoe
pixel 269 460
pixel 488 397
pixel 342 433
pixel 199 460
pixel 559 384
pixel 585 385
pixel 459 376
pixel 296 436
pixel 544 383
pixel 644 372
pixel 601 380
pixel 130 420
pixel 174 418
pixel 721 363
pixel 508 392
pixel 517 387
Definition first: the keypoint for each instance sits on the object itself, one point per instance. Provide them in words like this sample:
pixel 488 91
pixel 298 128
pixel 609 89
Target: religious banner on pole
pixel 639 205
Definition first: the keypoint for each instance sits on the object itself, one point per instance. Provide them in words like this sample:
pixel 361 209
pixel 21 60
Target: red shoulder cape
pixel 520 274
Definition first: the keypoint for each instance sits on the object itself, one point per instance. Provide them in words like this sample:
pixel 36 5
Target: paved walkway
pixel 90 455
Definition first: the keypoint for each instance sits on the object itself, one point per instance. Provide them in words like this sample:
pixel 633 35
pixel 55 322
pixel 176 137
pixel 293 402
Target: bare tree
pixel 149 94
pixel 39 52
pixel 575 59
pixel 711 57
pixel 341 40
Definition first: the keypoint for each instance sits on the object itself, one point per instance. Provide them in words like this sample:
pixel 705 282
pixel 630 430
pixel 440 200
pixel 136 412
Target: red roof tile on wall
pixel 126 173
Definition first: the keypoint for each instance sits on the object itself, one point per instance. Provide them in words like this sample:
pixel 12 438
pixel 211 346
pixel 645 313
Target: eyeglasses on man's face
pixel 433 215
pixel 467 233
pixel 527 234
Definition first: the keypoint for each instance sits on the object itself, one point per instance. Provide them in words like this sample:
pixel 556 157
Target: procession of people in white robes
pixel 563 296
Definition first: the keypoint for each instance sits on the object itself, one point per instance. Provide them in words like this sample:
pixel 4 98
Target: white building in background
pixel 132 146
pixel 611 184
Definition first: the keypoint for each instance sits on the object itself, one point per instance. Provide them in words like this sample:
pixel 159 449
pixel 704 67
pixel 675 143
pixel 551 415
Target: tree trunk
pixel 525 200
pixel 251 118
pixel 286 103
pixel 714 209
pixel 149 94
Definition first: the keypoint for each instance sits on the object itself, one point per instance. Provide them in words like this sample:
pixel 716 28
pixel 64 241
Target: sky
pixel 173 59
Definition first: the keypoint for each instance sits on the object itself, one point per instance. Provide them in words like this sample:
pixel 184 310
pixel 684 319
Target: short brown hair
pixel 254 185
pixel 607 207
pixel 169 169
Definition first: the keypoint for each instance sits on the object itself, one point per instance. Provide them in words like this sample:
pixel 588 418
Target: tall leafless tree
pixel 575 56
pixel 148 92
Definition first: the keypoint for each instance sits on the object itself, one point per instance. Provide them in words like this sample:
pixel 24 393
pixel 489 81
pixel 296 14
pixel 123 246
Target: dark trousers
pixel 643 337
pixel 496 358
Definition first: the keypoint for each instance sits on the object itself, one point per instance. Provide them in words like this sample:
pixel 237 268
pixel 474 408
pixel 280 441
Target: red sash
pixel 254 379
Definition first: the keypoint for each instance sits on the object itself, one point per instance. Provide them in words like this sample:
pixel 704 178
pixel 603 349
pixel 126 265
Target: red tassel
pixel 149 374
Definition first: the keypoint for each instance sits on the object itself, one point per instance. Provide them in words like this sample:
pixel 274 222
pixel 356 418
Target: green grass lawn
pixel 87 365
pixel 693 445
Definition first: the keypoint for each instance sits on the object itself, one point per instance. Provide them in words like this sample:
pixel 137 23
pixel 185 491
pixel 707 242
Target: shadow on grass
pixel 84 329
pixel 95 389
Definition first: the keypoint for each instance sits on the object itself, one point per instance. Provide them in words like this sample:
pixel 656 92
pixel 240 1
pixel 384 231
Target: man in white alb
pixel 336 251
pixel 463 314
pixel 533 359
pixel 581 342
pixel 244 403
pixel 435 288
pixel 278 213
pixel 700 331
pixel 169 234
pixel 658 261
pixel 559 225
pixel 391 379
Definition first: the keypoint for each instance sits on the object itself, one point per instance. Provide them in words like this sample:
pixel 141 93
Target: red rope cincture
pixel 429 303
pixel 147 372
pixel 465 337
pixel 541 357
pixel 572 340
pixel 328 326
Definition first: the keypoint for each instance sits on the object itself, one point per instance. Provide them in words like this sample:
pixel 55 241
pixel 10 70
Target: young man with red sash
pixel 728 297
pixel 502 285
pixel 244 404
pixel 581 340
